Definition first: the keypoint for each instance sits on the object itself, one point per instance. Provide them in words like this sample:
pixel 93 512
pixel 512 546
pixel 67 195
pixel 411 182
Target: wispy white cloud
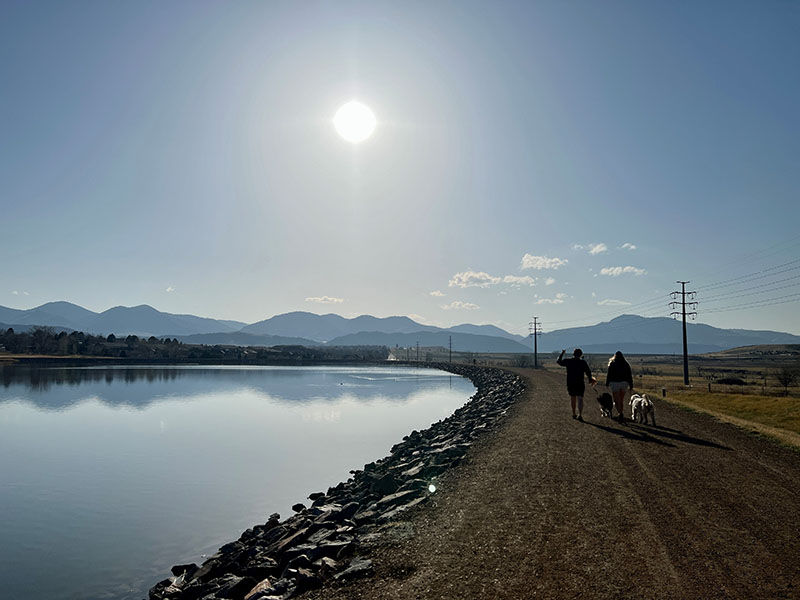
pixel 611 302
pixel 559 299
pixel 458 305
pixel 530 261
pixel 437 294
pixel 481 279
pixel 169 289
pixel 594 295
pixel 325 300
pixel 617 271
pixel 549 281
pixel 15 292
pixel 628 246
pixel 518 281
pixel 598 248
pixel 467 279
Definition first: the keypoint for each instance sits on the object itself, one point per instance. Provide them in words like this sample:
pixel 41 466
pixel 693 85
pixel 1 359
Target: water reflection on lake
pixel 109 475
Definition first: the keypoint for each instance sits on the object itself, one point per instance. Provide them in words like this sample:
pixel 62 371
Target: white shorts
pixel 619 386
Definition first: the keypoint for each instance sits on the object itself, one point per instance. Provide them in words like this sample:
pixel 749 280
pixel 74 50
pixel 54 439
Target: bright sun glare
pixel 354 121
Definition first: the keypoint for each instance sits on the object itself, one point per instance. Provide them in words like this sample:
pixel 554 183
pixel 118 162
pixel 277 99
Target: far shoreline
pixel 80 360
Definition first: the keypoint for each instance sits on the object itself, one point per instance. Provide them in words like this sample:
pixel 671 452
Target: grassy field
pixel 780 412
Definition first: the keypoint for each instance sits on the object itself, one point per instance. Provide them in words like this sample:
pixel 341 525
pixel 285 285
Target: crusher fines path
pixel 548 507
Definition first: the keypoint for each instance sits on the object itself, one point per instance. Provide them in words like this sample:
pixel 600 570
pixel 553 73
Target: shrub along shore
pixel 321 542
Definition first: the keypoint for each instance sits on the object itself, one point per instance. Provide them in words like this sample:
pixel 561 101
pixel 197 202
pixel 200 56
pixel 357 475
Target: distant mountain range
pixel 630 333
pixel 140 320
pixel 656 335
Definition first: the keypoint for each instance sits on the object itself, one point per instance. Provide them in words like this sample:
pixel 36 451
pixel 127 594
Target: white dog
pixel 642 409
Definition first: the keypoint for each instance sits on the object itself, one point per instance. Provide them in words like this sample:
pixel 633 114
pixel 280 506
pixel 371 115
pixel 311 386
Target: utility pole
pixel 418 351
pixel 535 330
pixel 692 313
pixel 451 348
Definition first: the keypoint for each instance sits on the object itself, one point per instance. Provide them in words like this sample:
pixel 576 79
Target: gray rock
pixel 413 471
pixel 261 586
pixel 397 498
pixel 321 535
pixel 307 580
pixel 392 514
pixel 186 570
pixel 234 588
pixel 292 540
pixel 349 510
pixel 326 567
pixel 365 516
pixel 359 567
pixel 386 484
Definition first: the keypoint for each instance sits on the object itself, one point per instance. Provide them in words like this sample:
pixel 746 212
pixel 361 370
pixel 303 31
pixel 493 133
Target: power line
pixel 735 293
pixel 725 297
pixel 764 252
pixel 758 303
pixel 735 279
pixel 634 321
pixel 619 311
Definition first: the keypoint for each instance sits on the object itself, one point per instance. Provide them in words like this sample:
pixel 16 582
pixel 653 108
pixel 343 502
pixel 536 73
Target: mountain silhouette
pixel 324 328
pixel 140 320
pixel 656 335
pixel 630 333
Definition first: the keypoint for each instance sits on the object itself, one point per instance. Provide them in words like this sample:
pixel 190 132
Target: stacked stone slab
pixel 281 559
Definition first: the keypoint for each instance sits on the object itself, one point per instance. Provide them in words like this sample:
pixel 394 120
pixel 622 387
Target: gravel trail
pixel 548 507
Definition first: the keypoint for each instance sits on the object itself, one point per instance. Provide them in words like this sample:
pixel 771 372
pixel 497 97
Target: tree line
pixel 47 341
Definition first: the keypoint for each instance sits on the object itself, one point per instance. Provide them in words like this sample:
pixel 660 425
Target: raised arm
pixel 560 359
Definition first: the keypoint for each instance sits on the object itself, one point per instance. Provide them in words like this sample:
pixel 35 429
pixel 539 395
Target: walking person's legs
pixel 573 400
pixel 618 390
pixel 619 402
pixel 580 408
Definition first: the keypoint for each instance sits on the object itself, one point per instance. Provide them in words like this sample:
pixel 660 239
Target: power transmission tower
pixel 535 330
pixel 451 348
pixel 692 313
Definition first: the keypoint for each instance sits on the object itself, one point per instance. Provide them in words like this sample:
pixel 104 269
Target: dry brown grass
pixel 778 418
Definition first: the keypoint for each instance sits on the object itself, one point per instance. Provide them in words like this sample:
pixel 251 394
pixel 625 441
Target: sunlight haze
pixel 566 160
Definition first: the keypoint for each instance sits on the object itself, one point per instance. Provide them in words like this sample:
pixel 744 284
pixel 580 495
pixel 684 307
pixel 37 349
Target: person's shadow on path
pixel 642 433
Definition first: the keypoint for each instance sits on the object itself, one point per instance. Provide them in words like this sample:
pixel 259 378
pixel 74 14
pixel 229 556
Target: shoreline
pixel 116 361
pixel 321 542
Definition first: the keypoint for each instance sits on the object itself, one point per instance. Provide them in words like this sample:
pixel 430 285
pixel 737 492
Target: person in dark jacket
pixel 576 369
pixel 620 379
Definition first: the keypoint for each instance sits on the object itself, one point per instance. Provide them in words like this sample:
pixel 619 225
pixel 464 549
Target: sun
pixel 354 121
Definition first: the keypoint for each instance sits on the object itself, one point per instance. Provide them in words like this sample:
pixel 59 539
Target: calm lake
pixel 110 475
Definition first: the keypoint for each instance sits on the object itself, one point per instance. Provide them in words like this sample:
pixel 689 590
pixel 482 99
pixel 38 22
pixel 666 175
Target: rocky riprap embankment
pixel 280 559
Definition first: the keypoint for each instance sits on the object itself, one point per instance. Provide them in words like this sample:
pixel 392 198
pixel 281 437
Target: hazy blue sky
pixel 181 154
